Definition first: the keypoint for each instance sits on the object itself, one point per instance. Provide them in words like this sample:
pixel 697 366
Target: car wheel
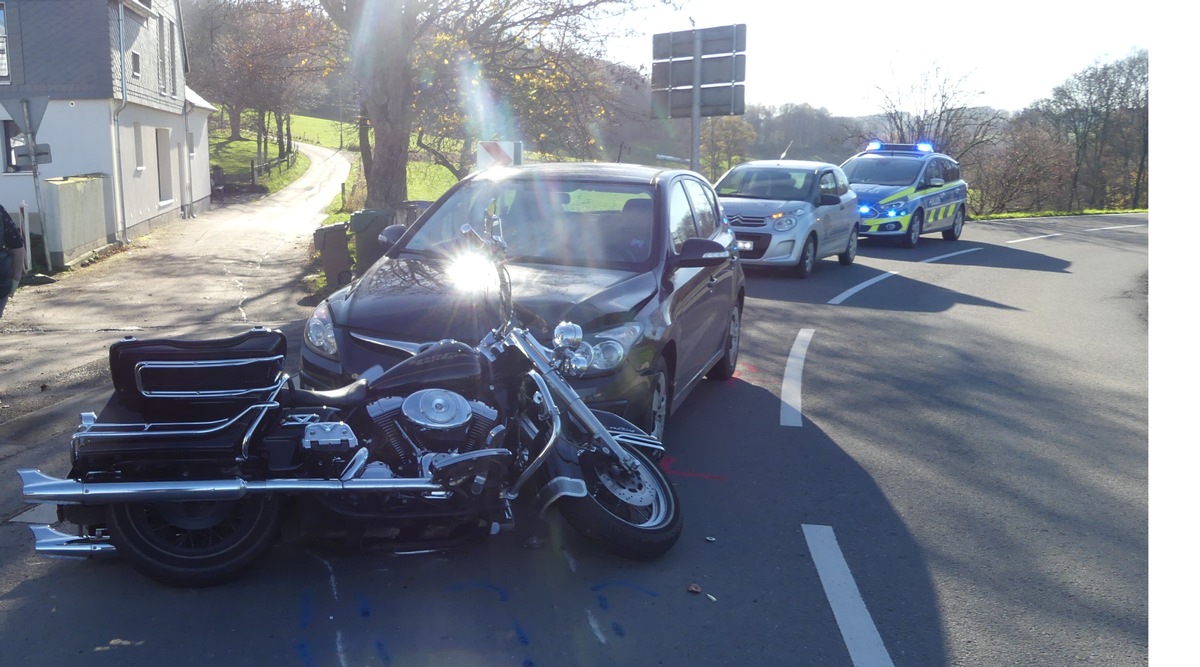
pixel 955 230
pixel 660 401
pixel 727 364
pixel 808 258
pixel 847 257
pixel 913 237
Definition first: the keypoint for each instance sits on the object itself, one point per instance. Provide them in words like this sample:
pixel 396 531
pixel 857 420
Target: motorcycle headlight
pixel 318 332
pixel 611 346
pixel 786 223
pixel 568 335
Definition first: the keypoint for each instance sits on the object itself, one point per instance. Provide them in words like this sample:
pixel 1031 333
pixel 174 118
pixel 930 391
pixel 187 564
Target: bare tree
pixel 388 39
pixel 939 110
pixel 724 142
pixel 1027 169
pixel 263 55
pixel 1102 112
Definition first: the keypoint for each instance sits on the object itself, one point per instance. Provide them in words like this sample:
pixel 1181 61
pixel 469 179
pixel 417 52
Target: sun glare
pixel 471 272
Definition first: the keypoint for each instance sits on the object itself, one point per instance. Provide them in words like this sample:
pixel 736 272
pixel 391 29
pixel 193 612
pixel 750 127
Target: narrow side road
pixel 214 275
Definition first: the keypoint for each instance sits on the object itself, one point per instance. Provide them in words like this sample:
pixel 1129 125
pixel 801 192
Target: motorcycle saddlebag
pixel 218 376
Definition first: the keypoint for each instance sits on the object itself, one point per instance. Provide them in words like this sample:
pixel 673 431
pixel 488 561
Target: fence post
pixel 252 173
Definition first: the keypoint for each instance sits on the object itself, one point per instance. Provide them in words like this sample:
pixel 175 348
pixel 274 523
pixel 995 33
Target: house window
pixel 138 151
pixel 162 55
pixel 135 64
pixel 3 46
pixel 13 138
pixel 162 139
pixel 171 56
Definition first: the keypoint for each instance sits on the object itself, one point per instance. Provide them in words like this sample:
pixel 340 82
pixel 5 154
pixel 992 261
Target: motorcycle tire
pixel 194 543
pixel 635 518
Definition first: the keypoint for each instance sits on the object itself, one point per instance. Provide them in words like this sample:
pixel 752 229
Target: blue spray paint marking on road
pixel 457 588
pixel 364 609
pixel 604 602
pixel 383 654
pixel 306 609
pixel 520 632
pixel 305 655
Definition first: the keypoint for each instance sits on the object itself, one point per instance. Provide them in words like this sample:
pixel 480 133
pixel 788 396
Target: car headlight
pixel 784 224
pixel 318 332
pixel 896 208
pixel 610 347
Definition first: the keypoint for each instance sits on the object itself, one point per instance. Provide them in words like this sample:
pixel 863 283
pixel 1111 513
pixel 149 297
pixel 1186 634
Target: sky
pixel 1006 54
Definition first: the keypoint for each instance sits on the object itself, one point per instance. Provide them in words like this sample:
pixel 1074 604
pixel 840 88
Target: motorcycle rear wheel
pixel 195 543
pixel 634 516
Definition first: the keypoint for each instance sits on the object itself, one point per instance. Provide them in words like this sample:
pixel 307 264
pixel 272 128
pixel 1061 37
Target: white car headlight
pixel 318 331
pixel 898 207
pixel 611 346
pixel 785 224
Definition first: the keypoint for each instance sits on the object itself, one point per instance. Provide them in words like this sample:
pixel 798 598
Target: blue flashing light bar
pixel 925 147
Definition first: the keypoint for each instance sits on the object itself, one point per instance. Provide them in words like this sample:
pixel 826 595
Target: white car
pixel 790 213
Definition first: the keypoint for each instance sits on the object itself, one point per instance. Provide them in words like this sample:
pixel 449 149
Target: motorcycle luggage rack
pixel 223 438
pixel 177 376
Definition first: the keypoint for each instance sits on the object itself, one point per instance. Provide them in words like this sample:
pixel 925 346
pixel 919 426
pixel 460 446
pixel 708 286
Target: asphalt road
pixel 967 486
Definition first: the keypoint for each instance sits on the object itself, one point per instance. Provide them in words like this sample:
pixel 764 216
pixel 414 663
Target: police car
pixel 906 190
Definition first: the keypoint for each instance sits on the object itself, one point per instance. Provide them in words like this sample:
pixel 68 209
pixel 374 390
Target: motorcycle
pixel 230 455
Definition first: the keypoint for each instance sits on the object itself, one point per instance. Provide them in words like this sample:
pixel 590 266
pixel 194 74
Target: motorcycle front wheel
pixel 194 543
pixel 634 515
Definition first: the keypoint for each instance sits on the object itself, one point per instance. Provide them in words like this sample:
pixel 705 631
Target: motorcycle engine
pixel 431 421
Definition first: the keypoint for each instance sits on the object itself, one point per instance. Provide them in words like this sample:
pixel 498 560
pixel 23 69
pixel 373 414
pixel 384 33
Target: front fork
pixel 560 456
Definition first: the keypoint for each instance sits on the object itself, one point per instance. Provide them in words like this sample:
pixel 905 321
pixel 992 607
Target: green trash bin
pixel 366 226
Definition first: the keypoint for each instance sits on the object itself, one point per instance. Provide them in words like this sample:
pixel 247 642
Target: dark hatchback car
pixel 640 257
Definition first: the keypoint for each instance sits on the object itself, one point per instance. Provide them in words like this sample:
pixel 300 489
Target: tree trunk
pixel 235 123
pixel 279 134
pixel 364 142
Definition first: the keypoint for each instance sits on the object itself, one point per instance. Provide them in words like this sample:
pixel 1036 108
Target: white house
pixel 127 141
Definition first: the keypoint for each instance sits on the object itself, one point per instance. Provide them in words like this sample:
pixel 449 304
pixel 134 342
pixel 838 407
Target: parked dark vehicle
pixel 639 256
pixel 428 453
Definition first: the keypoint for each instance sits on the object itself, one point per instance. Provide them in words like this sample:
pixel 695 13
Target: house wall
pixel 150 87
pixel 134 135
pixel 55 49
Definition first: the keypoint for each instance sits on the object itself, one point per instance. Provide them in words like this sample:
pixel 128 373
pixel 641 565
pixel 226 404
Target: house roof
pixel 194 97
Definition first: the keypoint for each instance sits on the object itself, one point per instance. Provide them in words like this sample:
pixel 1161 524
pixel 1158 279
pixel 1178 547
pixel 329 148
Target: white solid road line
pixel 858 630
pixel 1032 238
pixel 863 285
pixel 789 393
pixel 860 287
pixel 1101 229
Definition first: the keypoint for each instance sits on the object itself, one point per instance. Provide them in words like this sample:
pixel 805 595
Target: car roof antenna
pixel 783 155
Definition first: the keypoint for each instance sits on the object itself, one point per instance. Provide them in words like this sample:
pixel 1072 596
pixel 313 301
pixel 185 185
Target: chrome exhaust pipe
pixel 53 543
pixel 42 488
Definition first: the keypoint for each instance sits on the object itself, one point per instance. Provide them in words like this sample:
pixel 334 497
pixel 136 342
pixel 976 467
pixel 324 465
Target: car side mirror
pixel 829 200
pixel 390 234
pixel 701 252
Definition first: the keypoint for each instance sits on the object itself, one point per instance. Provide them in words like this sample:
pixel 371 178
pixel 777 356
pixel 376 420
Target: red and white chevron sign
pixel 497 154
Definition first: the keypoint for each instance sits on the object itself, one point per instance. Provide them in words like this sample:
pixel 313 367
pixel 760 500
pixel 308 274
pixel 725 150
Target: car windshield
pixel 778 183
pixel 882 170
pixel 570 222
